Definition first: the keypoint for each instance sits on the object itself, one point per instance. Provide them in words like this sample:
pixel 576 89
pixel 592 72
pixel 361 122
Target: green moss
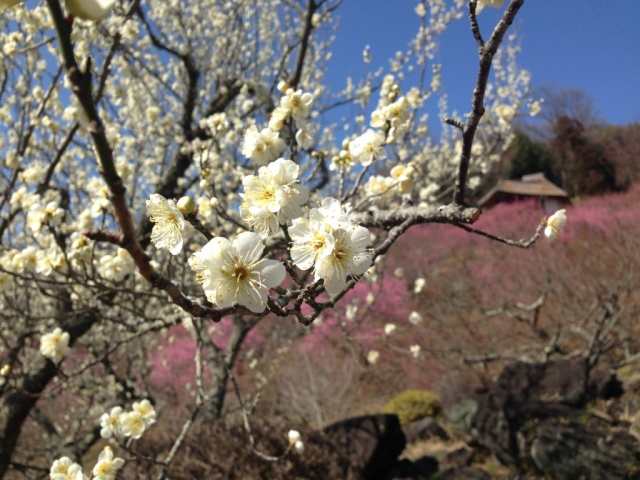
pixel 413 405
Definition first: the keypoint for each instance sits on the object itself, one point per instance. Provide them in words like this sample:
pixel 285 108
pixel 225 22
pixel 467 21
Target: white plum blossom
pixel 331 242
pixel 368 147
pixel 304 138
pixel 132 424
pixel 349 256
pixel 110 423
pixel 8 3
pixel 262 147
pixel 107 466
pixel 168 223
pixel 116 267
pixel 235 272
pixel 403 177
pixel 297 104
pixel 492 3
pixel 389 328
pixel 55 345
pixel 379 186
pixel 311 240
pixel 555 224
pixel 273 197
pixel 146 410
pixel 295 441
pixel 418 285
pixel 415 350
pixel 415 318
pixel 66 469
pixel 90 9
pixel 373 356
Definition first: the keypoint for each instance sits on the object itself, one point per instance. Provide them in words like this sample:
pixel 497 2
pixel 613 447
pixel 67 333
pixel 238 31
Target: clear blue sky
pixel 588 44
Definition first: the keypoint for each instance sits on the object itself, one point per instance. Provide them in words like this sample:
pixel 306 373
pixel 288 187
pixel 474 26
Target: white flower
pixel 331 242
pixel 368 147
pixel 378 186
pixel 107 466
pixel 293 436
pixel 555 224
pixel 274 197
pixel 299 446
pixel 169 224
pixel 66 469
pixel 8 3
pixel 349 256
pixel 146 410
pixel 110 423
pixel 262 147
pixel 234 272
pixel 370 298
pixel 506 113
pixel 304 138
pixel 373 356
pixel 492 3
pixel 415 350
pixel 90 9
pixel 132 424
pixel 415 318
pixel 389 328
pixel 311 241
pixel 297 104
pixel 419 285
pixel 55 345
pixel 403 176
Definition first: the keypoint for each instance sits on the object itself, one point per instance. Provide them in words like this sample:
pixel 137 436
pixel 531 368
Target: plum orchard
pixel 205 127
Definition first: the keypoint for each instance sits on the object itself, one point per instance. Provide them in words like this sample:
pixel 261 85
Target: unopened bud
pixel 186 205
pixel 5 371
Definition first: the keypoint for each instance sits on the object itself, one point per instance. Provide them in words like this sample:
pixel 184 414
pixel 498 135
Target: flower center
pixel 340 254
pixel 241 273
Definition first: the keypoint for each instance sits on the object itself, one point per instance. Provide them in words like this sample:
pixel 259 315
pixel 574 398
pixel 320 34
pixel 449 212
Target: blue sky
pixel 588 44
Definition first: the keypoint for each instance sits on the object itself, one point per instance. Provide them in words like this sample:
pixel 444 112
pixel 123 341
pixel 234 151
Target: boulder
pixel 527 392
pixel 423 429
pixel 405 469
pixel 373 443
pixel 568 452
pixel 464 473
pixel 461 414
pixel 604 384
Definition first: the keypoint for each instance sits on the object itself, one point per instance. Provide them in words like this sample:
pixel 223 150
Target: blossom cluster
pixel 273 197
pixel 119 424
pixel 105 469
pixel 329 241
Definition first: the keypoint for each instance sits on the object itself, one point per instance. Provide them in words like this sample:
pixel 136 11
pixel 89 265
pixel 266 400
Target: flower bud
pixel 186 205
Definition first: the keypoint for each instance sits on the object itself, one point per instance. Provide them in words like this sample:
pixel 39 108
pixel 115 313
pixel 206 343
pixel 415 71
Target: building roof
pixel 535 185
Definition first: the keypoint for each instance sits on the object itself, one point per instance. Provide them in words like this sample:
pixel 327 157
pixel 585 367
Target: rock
pixel 461 414
pixel 571 452
pixel 459 456
pixel 526 392
pixel 373 443
pixel 423 429
pixel 464 473
pixel 405 469
pixel 604 384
